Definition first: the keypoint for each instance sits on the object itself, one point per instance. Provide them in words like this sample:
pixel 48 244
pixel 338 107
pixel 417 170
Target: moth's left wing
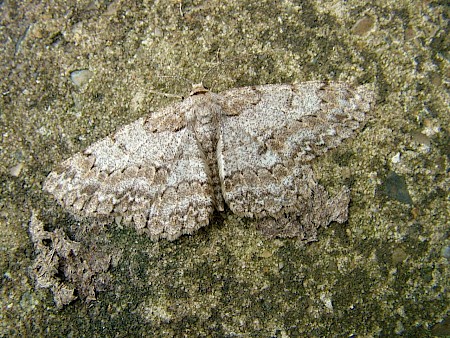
pixel 151 173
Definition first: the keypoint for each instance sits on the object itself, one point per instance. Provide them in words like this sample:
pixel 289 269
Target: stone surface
pixel 220 282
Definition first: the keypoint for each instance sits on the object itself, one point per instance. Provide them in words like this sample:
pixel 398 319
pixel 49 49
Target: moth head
pixel 197 89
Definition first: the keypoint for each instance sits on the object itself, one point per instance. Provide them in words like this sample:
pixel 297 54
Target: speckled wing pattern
pixel 150 172
pixel 249 147
pixel 266 145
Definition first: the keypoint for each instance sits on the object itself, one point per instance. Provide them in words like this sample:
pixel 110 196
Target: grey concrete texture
pixel 72 73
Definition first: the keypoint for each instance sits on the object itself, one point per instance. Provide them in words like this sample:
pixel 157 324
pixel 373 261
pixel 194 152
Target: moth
pixel 248 148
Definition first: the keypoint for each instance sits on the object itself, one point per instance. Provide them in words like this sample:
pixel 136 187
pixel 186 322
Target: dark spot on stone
pixel 394 187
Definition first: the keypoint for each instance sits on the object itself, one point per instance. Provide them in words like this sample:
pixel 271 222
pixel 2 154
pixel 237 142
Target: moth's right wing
pixel 270 134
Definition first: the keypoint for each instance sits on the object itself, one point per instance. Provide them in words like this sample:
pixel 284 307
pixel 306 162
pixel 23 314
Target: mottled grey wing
pixel 270 134
pixel 150 173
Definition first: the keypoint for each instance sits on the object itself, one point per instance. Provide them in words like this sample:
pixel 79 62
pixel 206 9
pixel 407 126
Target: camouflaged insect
pixel 249 148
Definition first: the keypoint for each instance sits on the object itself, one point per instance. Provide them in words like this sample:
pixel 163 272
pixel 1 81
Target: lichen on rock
pixel 69 268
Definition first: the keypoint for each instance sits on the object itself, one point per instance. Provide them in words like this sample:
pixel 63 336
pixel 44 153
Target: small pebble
pixel 445 252
pixel 81 77
pixel 15 171
pixel 363 26
pixel 396 158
